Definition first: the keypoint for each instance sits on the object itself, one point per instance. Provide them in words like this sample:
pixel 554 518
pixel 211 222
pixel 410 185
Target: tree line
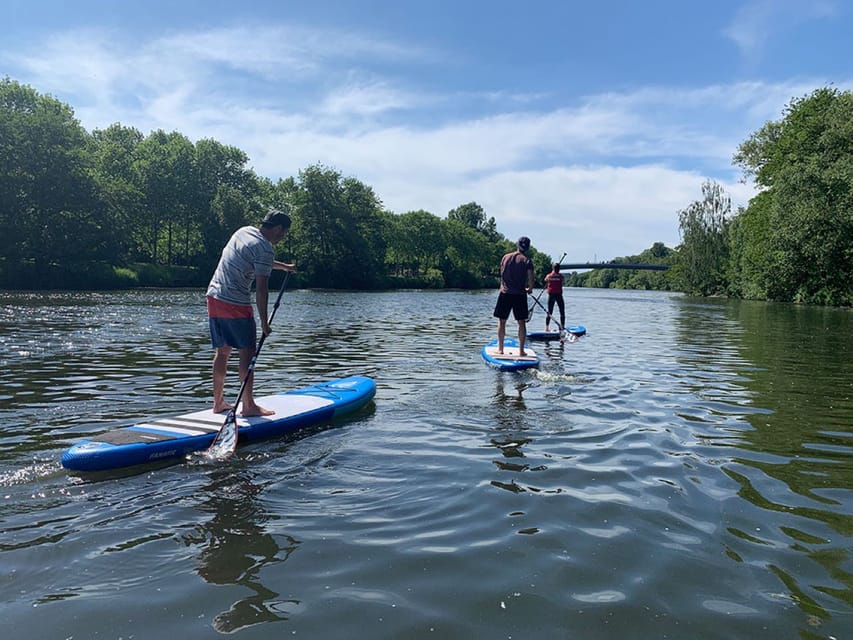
pixel 794 241
pixel 115 208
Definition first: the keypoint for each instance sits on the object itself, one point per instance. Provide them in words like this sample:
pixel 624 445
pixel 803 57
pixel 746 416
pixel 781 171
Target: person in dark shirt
pixel 516 283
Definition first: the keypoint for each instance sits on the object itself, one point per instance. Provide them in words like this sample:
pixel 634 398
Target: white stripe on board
pixel 177 422
pixel 169 429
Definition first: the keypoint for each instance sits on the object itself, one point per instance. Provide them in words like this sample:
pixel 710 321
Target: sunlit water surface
pixel 683 471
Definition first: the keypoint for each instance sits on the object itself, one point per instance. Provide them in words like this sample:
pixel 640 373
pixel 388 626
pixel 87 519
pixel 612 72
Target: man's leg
pixel 249 406
pixel 220 368
pixel 522 336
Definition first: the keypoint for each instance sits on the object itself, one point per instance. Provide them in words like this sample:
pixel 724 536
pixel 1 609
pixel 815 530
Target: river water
pixel 683 471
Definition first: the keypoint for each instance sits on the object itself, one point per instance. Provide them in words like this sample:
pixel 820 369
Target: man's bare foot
pixel 222 408
pixel 255 410
pixel 500 352
pixel 521 354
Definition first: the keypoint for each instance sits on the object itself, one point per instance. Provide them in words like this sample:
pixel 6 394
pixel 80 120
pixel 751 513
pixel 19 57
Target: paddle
pixel 530 308
pixel 225 442
pixel 571 337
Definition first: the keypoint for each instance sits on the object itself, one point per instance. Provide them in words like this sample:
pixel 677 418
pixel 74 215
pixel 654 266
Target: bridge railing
pixel 613 265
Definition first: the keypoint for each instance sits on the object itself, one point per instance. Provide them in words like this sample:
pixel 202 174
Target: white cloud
pixel 604 174
pixel 587 211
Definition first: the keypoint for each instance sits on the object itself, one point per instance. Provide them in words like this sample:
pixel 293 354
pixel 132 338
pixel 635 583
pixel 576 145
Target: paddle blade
pixel 568 336
pixel 225 442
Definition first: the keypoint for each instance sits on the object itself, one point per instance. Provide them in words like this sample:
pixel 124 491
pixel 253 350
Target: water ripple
pixel 682 472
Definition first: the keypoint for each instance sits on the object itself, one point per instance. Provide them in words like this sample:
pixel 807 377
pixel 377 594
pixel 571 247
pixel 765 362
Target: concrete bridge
pixel 612 265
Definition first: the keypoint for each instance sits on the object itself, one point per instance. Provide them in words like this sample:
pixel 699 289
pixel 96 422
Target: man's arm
pixel 262 294
pixel 283 266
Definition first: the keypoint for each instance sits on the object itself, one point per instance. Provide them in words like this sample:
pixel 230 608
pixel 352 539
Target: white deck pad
pixel 201 422
pixel 511 353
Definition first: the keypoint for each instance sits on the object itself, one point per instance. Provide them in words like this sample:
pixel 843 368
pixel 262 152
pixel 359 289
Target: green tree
pixel 228 212
pixel 704 246
pixel 367 246
pixel 804 217
pixel 420 241
pixel 474 216
pixel 225 198
pixel 752 262
pixel 335 243
pixel 168 179
pixel 112 152
pixel 50 209
pixel 469 256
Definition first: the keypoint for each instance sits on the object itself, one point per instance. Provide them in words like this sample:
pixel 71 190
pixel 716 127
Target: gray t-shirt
pixel 246 255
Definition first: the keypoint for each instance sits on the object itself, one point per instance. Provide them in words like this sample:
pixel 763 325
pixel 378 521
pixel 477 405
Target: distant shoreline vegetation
pixel 117 209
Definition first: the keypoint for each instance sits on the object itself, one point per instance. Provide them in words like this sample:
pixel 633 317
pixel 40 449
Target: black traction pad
pixel 131 436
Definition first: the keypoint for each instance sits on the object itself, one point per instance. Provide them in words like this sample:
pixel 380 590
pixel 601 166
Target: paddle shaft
pixel 232 412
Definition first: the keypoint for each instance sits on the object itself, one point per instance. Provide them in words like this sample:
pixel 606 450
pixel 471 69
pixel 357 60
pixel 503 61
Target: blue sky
pixel 584 125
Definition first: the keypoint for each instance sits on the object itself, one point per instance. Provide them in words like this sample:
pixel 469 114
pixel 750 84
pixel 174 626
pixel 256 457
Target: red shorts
pixel 231 325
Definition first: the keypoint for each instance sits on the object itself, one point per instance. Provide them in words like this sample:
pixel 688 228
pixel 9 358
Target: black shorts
pixel 516 302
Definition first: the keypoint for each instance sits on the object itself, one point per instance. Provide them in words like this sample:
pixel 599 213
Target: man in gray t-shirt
pixel 248 257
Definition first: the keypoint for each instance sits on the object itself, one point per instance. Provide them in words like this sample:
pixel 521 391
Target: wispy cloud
pixel 86 63
pixel 758 21
pixel 367 98
pixel 276 51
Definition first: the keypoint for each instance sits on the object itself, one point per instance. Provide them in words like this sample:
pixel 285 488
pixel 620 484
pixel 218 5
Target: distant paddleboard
pixel 509 360
pixel 574 329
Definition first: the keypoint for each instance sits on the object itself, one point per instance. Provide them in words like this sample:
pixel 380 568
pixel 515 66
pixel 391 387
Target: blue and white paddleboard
pixel 509 360
pixel 172 438
pixel 574 329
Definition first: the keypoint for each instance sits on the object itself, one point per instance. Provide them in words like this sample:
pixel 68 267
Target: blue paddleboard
pixel 509 360
pixel 574 329
pixel 172 438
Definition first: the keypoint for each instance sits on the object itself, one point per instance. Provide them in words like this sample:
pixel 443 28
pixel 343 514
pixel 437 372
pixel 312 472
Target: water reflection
pixel 235 547
pixel 509 407
pixel 772 372
pixel 509 394
pixel 800 463
pixel 691 464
